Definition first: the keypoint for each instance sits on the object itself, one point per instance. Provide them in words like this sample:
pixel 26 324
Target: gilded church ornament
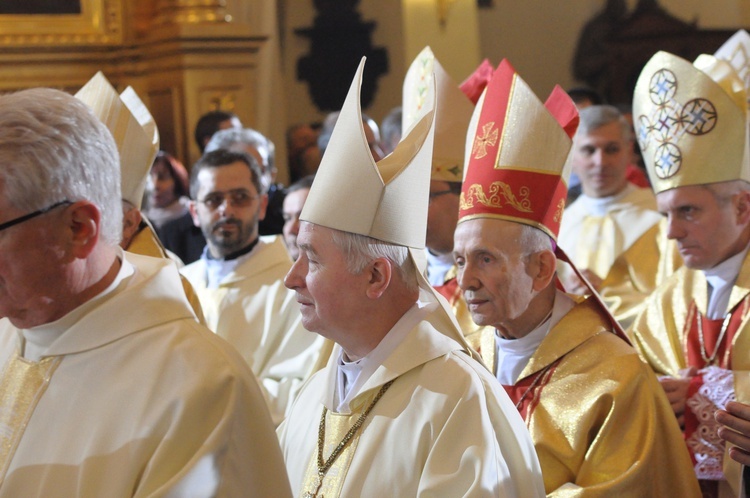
pixel 488 137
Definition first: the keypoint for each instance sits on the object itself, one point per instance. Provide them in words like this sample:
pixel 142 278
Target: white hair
pixel 723 191
pixel 360 250
pixel 231 138
pixel 532 240
pixel 53 148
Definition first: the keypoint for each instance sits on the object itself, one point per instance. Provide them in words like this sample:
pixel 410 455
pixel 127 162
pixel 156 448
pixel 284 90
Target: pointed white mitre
pixel 453 110
pixel 736 51
pixel 133 129
pixel 386 200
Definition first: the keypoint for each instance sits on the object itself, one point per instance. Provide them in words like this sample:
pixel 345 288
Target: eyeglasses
pixel 29 216
pixel 237 198
pixel 434 195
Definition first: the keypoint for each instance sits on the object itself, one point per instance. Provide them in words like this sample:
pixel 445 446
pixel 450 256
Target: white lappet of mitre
pixel 453 110
pixel 386 200
pixel 133 129
pixel 691 121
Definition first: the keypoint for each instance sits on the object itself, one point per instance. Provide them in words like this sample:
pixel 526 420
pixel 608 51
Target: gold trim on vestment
pixel 24 382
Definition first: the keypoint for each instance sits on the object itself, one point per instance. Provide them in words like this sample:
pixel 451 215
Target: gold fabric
pixel 146 243
pixel 596 245
pixel 602 425
pixel 337 425
pixel 637 272
pixel 23 384
pixel 659 332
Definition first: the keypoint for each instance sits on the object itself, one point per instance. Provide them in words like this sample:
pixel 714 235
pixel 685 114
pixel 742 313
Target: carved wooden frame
pixel 100 22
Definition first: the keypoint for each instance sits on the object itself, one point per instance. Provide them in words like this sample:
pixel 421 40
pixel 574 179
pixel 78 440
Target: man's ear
pixel 83 220
pixel 379 273
pixel 193 207
pixel 742 207
pixel 542 267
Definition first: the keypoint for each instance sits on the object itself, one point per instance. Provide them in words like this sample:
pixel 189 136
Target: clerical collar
pixel 218 269
pixel 437 266
pixel 37 340
pixel 367 365
pixel 234 255
pixel 513 354
pixel 599 206
pixel 721 279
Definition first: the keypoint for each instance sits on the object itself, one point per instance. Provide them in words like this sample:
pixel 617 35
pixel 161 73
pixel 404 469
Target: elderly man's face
pixel 328 293
pixel 228 208
pixel 600 159
pixel 707 231
pixel 492 271
pixel 33 266
pixel 291 209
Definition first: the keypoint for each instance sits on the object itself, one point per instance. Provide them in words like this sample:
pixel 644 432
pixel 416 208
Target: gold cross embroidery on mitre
pixel 488 137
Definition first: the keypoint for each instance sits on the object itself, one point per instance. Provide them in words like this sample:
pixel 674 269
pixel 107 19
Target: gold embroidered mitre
pixel 691 122
pixel 452 113
pixel 386 200
pixel 133 129
pixel 518 154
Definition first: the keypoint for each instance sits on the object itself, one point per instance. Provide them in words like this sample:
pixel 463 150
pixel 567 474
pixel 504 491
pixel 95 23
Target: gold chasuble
pixel 23 384
pixel 599 419
pixel 672 334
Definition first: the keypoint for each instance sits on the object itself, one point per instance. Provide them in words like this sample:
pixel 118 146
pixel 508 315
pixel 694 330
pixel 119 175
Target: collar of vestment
pixel 599 206
pixel 514 354
pixel 721 278
pixel 37 340
pixel 268 252
pixel 698 284
pixel 584 321
pixel 152 295
pixel 417 340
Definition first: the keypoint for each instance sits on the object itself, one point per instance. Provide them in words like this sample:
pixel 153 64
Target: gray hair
pixel 360 250
pixel 596 116
pixel 723 191
pixel 234 140
pixel 532 240
pixel 53 148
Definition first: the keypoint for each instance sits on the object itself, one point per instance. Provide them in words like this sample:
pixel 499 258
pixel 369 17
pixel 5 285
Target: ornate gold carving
pixel 191 11
pixel 488 137
pixel 99 23
pixel 500 194
pixel 559 211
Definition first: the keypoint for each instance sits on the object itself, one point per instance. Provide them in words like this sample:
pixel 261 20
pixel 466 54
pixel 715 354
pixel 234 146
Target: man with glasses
pixel 239 277
pixel 96 399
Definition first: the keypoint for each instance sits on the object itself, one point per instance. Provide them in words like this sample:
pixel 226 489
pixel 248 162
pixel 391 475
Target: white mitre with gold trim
pixel 133 129
pixel 386 200
pixel 690 121
pixel 453 111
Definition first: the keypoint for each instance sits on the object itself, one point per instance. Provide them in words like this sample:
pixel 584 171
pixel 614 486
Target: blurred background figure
pixel 210 123
pixel 168 191
pixel 302 151
pixel 296 195
pixel 372 132
pixel 390 130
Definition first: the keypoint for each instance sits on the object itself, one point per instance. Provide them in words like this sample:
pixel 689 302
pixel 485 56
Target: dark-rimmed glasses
pixel 237 198
pixel 29 216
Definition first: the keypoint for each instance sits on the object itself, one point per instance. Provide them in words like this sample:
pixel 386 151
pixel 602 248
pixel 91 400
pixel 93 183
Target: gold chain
pixel 323 467
pixel 709 360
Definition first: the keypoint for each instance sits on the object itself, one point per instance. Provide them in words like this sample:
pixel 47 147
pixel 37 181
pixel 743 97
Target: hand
pixel 676 391
pixel 736 419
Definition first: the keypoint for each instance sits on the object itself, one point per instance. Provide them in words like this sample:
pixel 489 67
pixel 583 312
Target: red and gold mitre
pixel 518 165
